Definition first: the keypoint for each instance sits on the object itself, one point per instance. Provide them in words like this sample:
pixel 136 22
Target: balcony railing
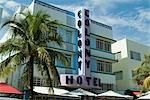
pixel 102 54
pixel 70 47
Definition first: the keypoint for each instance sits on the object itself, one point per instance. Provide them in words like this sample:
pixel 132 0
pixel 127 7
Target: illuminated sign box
pixel 83 81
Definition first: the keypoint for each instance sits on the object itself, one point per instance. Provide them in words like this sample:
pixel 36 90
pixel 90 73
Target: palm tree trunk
pixel 49 80
pixel 31 75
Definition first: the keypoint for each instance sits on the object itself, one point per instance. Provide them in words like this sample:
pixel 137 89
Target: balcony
pixel 105 77
pixel 66 70
pixel 70 47
pixel 102 54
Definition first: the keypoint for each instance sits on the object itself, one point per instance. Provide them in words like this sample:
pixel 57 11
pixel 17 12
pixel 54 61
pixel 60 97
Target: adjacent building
pixel 87 45
pixel 130 54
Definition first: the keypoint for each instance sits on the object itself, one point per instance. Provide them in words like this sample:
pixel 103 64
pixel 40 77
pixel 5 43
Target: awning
pixel 146 97
pixel 45 90
pixel 5 88
pixel 113 94
pixel 81 92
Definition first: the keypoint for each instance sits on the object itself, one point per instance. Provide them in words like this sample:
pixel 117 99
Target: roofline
pixel 54 7
pixel 101 24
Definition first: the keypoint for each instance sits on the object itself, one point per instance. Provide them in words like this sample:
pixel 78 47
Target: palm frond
pixel 47 57
pixel 146 83
pixel 10 64
pixel 17 28
pixel 30 36
pixel 58 55
pixel 8 46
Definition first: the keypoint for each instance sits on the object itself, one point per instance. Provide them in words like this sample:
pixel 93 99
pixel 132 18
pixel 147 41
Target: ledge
pixel 103 72
pixel 102 50
pixel 54 7
pixel 103 37
pixel 105 58
pixel 60 49
pixel 66 67
pixel 101 24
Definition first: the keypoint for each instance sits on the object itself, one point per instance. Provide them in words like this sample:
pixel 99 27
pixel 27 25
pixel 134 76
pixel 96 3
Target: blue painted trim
pixel 66 67
pixel 53 7
pixel 69 26
pixel 69 43
pixel 61 49
pixel 70 13
pixel 105 58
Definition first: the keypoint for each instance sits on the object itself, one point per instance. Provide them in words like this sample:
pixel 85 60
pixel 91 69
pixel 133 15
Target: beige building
pixel 129 55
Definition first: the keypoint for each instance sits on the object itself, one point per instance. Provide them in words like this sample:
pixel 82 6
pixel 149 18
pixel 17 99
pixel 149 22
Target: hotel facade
pixel 130 54
pixel 87 45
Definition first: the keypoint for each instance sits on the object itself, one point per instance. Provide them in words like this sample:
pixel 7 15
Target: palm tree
pixel 28 46
pixel 146 84
pixel 143 72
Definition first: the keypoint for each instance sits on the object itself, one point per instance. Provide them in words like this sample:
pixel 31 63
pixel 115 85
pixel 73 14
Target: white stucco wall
pixel 140 48
pixel 100 30
pixel 120 46
pixel 126 64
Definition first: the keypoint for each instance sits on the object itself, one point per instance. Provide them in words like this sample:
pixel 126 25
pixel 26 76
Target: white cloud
pixel 144 14
pixel 69 7
pixel 8 6
pixel 129 22
pixel 137 21
pixel 109 2
pixel 11 4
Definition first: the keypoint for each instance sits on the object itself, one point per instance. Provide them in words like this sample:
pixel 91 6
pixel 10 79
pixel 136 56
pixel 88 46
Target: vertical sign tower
pixel 83 26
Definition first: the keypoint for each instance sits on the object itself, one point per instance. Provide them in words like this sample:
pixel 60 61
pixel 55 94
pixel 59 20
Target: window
pixel 105 86
pixel 108 67
pixel 43 82
pixel 104 66
pixel 119 75
pixel 135 55
pixel 103 45
pixel 118 56
pixel 69 45
pixel 70 21
pixel 37 81
pixel 68 60
pixel 69 36
pixel 107 46
pixel 99 44
pixel 68 70
pixel 54 29
pixel 100 66
pixel 133 73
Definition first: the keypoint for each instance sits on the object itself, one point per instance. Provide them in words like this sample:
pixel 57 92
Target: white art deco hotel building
pixel 87 44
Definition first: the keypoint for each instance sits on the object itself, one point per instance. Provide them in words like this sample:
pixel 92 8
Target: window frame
pixel 119 75
pixel 103 66
pixel 135 55
pixel 103 45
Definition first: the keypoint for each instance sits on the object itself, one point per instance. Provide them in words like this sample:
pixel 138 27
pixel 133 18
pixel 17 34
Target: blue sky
pixel 129 18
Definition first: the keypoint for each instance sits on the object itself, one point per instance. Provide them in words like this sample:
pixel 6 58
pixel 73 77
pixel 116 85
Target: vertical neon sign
pixel 83 26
